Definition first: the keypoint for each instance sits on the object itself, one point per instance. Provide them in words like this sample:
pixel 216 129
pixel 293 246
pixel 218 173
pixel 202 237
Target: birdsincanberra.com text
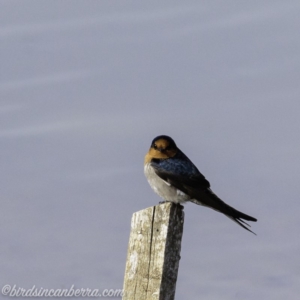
pixel 16 291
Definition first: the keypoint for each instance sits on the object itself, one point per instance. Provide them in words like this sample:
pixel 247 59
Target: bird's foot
pixel 162 202
pixel 166 201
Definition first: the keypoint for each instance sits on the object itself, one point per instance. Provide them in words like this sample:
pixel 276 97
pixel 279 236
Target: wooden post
pixel 154 253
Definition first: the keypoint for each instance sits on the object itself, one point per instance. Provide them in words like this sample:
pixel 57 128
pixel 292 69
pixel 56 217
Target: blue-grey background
pixel 84 88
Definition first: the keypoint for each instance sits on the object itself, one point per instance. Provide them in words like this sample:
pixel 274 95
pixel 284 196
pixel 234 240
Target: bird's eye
pixel 154 146
pixel 168 148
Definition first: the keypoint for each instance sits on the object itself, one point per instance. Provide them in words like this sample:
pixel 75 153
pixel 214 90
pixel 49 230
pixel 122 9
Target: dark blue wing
pixel 180 172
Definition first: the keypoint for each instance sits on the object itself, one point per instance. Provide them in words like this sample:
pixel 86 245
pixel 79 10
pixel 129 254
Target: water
pixel 86 85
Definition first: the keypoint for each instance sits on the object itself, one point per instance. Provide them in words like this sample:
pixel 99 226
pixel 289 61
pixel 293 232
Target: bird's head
pixel 162 147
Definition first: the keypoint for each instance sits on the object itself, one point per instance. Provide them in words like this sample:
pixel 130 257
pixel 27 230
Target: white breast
pixel 163 188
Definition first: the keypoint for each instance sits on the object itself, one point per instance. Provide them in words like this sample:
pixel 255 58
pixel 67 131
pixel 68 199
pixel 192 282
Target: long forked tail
pixel 238 217
pixel 211 200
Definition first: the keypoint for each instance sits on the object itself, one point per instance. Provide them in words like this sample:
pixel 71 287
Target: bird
pixel 173 176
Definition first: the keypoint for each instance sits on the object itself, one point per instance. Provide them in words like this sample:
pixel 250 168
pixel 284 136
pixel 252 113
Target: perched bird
pixel 175 178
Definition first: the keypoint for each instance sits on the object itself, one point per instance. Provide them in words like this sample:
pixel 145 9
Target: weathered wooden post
pixel 154 253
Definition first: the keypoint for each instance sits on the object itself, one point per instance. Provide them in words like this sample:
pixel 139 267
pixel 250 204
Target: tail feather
pixel 213 201
pixel 241 223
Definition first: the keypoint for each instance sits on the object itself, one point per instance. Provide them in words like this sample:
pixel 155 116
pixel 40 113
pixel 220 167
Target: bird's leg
pixel 162 202
pixel 166 201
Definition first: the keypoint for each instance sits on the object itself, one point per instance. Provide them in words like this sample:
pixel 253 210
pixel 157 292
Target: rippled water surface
pixel 84 88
